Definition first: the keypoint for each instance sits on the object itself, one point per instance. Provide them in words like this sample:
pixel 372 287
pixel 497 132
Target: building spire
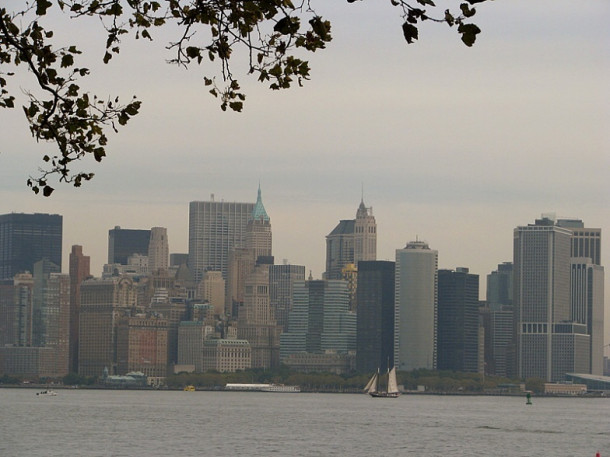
pixel 259 213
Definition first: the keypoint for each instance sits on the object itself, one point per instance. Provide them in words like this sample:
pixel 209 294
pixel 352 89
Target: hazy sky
pixel 454 145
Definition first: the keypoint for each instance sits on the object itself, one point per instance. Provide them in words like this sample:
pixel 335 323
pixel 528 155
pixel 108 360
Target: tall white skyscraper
pixel 215 228
pixel 587 286
pixel 416 307
pixel 549 342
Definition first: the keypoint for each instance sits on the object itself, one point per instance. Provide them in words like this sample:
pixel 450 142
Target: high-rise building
pixel 587 307
pixel 212 288
pixel 365 234
pixel 191 336
pixel 26 239
pixel 586 242
pixel 416 307
pixel 281 282
pixel 214 229
pixel 257 246
pixel 42 271
pixel 158 250
pixel 351 241
pixel 500 286
pixel 79 271
pixel 258 230
pixel 458 320
pixel 241 264
pixel 103 303
pixel 587 282
pixel 549 343
pixel 142 345
pixel 56 320
pixel 17 310
pixel 350 274
pixel 320 320
pixel 123 243
pixel 177 259
pixel 502 346
pixel 35 339
pixel 375 315
pixel 256 323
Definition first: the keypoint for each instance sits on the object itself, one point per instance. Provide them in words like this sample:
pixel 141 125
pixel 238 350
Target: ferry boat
pixel 275 388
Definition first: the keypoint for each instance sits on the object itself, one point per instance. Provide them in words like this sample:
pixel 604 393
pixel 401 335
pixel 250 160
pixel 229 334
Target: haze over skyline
pixel 454 145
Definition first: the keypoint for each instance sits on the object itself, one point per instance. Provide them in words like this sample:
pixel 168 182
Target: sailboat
pixel 374 388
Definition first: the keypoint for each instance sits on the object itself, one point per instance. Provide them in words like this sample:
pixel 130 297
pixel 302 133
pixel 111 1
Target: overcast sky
pixel 453 145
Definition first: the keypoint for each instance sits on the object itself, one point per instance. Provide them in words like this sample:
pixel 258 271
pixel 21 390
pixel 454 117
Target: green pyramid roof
pixel 259 213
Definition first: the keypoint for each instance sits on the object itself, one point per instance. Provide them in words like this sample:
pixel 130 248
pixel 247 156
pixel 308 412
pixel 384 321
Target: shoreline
pixel 39 387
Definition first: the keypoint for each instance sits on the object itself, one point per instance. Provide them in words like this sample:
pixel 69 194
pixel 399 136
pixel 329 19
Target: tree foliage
pixel 275 35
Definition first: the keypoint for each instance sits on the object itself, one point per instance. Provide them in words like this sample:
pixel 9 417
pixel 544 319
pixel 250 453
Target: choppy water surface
pixel 91 423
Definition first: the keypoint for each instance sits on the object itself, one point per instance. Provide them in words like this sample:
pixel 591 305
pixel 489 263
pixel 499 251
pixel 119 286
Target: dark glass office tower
pixel 26 239
pixel 125 242
pixel 458 320
pixel 375 316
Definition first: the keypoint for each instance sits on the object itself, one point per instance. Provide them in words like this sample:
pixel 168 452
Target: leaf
pixel 410 32
pixel 41 8
pixel 236 106
pixel 47 191
pixel 469 33
pixel 67 60
pixel 467 11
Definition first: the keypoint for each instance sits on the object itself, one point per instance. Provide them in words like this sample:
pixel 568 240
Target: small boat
pixel 49 393
pixel 374 388
pixel 189 389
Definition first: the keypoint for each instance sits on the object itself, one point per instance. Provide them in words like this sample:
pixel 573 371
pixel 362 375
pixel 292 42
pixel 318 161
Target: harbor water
pixel 88 423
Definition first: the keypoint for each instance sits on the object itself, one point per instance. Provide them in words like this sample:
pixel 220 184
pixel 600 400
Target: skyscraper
pixel 215 228
pixel 242 258
pixel 586 242
pixel 587 282
pixel 103 303
pixel 416 306
pixel 258 230
pixel 281 282
pixel 158 250
pixel 549 343
pixel 16 310
pixel 123 243
pixel 458 320
pixel 320 320
pixel 351 241
pixel 587 307
pixel 500 286
pixel 256 323
pixel 375 315
pixel 212 290
pixel 79 271
pixel 27 238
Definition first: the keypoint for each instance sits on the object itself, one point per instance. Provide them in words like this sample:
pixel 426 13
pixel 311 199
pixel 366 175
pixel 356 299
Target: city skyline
pixel 453 145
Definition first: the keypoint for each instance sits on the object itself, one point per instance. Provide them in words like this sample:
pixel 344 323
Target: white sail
pixel 392 384
pixel 371 385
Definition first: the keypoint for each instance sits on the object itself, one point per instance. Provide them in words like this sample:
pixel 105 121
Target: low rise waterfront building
pixel 226 355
